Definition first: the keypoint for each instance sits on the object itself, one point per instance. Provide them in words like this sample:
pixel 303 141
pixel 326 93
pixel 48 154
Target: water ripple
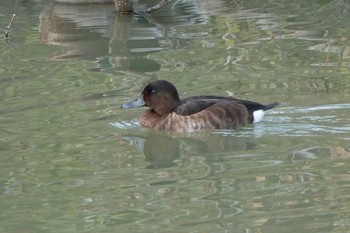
pixel 126 124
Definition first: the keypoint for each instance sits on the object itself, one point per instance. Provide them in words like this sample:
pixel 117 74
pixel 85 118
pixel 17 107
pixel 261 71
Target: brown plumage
pixel 168 113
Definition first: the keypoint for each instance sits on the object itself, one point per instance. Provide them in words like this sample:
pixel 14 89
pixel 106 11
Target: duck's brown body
pixel 169 113
pixel 218 116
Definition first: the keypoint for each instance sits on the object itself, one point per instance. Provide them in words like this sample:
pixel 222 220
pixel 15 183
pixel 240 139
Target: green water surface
pixel 72 161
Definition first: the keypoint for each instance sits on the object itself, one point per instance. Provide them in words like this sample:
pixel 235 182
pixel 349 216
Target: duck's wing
pixel 192 105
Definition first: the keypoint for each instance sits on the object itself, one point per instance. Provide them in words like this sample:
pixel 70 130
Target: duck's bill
pixel 139 102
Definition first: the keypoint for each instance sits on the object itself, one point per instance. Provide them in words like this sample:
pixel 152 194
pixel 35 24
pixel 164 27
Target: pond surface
pixel 73 161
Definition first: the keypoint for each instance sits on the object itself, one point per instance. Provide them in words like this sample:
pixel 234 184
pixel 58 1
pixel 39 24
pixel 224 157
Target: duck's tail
pixel 258 115
pixel 270 105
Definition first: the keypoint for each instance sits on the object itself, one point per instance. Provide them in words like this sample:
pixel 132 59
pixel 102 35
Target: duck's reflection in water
pixel 162 150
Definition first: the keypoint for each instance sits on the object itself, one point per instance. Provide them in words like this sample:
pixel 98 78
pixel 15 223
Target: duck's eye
pixel 153 91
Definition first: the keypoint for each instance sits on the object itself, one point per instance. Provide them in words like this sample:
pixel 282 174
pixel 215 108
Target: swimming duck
pixel 168 113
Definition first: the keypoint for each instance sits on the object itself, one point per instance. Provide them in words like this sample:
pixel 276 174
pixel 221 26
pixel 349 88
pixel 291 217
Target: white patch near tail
pixel 258 115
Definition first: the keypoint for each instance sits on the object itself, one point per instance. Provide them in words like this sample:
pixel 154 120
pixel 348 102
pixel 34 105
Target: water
pixel 72 161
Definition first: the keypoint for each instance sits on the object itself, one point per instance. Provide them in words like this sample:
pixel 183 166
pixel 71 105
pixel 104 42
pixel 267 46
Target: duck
pixel 167 112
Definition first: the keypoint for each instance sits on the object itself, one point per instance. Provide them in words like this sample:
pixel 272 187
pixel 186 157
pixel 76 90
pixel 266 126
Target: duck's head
pixel 159 95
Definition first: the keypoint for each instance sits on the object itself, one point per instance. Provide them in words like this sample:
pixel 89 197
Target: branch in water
pixel 10 25
pixel 158 6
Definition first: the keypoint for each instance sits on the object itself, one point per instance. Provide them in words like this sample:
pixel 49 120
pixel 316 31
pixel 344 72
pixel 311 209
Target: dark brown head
pixel 160 95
